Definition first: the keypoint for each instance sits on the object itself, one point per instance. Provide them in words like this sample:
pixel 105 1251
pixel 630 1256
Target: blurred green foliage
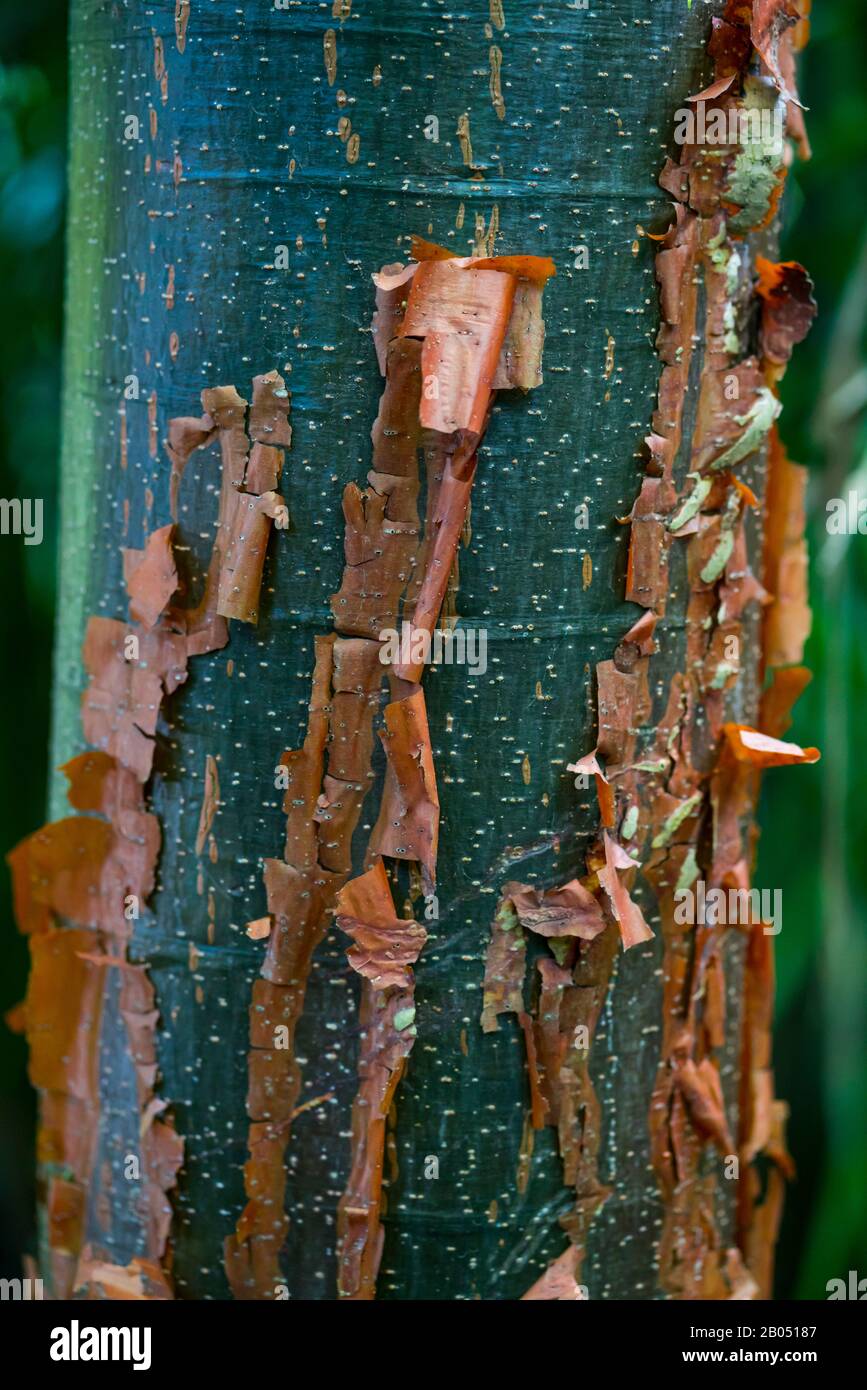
pixel 813 828
pixel 32 158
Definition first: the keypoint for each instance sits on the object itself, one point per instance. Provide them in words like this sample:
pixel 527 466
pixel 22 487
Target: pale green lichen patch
pixel 722 674
pixel 727 261
pixel 719 559
pixel 507 918
pixel 652 765
pixel 560 947
pixel 691 505
pixel 759 164
pixel 756 425
pixel 676 819
pixel 731 341
pixel 688 871
pixel 725 545
pixel 630 823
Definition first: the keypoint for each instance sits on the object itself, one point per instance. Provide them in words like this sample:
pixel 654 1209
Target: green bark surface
pixel 589 98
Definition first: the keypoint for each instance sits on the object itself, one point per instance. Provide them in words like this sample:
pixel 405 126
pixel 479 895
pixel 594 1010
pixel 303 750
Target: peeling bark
pixel 230 1000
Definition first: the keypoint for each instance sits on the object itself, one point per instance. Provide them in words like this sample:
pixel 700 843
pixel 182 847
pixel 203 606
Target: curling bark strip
pixel 185 260
pixel 703 790
pixel 695 779
pixel 80 883
pixel 448 332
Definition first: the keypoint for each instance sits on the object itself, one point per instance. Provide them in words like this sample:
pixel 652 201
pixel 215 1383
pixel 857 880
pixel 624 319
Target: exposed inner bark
pixel 510 1125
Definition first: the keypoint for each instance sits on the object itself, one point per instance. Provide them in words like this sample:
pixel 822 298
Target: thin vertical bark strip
pixel 697 776
pixel 98 873
pixel 439 329
pixel 384 952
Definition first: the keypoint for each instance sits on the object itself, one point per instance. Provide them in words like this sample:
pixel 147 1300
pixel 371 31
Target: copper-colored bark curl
pixel 383 953
pixel 385 947
pixel 686 778
pixel 558 1283
pixel 94 872
pixel 445 338
pixel 569 911
pixel 505 965
pixel 408 824
pixel 151 577
pixel 788 619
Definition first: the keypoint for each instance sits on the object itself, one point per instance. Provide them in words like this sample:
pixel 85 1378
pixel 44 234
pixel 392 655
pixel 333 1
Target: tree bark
pixel 319 140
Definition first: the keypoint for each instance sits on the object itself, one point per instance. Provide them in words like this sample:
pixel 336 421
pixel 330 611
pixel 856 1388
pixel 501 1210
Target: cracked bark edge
pixel 697 783
pixel 442 363
pixel 383 953
pixel 80 882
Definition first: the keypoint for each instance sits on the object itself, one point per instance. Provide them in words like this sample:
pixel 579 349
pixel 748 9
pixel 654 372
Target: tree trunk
pixel 236 178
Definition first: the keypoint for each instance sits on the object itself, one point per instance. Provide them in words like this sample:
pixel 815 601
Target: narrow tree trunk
pixel 237 176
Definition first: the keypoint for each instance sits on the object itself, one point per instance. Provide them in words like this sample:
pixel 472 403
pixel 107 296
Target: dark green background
pixel 812 833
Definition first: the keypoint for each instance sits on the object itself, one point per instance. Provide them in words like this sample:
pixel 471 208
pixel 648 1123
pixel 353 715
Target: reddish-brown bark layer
pixel 80 883
pixel 445 339
pixel 679 807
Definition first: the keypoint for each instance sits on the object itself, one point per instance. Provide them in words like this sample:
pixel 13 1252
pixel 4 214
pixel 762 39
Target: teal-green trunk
pixel 248 157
